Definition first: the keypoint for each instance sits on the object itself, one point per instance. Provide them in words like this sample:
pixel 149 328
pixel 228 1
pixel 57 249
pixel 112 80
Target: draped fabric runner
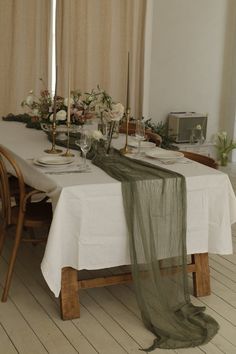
pixel 155 209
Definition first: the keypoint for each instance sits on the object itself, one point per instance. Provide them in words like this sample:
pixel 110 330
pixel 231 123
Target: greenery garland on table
pixel 160 128
pixel 23 118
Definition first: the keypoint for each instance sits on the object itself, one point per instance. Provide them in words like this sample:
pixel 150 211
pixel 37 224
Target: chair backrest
pixel 7 163
pixel 153 137
pixel 205 160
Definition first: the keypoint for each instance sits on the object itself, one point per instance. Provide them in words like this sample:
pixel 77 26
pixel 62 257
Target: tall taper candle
pixel 55 98
pixel 69 53
pixel 127 97
pixel 68 102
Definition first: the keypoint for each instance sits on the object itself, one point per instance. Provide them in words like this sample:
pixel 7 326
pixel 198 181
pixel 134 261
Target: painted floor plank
pixel 43 295
pixel 51 337
pixel 112 326
pixel 127 320
pixel 6 347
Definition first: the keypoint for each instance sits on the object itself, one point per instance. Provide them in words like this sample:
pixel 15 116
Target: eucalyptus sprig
pixel 161 128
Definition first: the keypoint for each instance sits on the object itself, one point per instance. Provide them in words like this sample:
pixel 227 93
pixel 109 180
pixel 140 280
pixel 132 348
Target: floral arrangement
pixel 41 108
pixel 224 146
pixel 82 106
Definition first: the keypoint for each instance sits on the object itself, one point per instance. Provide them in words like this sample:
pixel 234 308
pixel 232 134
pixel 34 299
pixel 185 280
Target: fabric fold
pixel 155 208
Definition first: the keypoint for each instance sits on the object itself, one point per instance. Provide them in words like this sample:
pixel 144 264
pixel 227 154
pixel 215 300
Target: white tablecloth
pixel 88 230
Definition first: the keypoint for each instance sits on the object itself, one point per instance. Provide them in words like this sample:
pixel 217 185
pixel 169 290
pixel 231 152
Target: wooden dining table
pixel 88 229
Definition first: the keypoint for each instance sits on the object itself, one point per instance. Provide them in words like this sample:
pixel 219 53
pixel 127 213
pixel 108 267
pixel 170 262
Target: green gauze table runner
pixel 155 209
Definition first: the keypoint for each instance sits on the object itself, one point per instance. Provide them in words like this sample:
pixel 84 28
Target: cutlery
pixel 66 172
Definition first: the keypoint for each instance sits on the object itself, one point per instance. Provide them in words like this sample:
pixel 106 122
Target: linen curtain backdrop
pixel 93 39
pixel 24 43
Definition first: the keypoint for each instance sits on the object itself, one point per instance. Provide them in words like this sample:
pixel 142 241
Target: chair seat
pixel 36 215
pixel 14 186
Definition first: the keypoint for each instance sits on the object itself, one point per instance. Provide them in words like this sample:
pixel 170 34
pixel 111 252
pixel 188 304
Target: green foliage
pixel 22 118
pixel 161 128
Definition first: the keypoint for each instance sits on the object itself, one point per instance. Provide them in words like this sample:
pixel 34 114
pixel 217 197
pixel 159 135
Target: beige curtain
pixel 93 39
pixel 24 43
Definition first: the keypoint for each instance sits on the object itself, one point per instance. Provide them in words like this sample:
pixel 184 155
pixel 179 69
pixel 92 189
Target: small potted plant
pixel 224 147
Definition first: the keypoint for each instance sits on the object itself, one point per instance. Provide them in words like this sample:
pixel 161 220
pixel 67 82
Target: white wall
pixel 187 58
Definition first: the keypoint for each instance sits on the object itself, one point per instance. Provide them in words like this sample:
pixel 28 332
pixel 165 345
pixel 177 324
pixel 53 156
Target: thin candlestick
pixel 68 103
pixel 127 96
pixel 126 149
pixel 68 153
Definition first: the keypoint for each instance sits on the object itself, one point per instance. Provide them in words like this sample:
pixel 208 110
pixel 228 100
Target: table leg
pixel 201 275
pixel 70 307
pixel 69 299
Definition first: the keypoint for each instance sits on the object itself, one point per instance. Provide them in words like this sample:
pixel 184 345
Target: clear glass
pixel 84 142
pixel 197 137
pixel 139 133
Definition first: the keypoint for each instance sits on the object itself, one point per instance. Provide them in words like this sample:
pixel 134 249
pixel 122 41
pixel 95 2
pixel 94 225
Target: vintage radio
pixel 181 125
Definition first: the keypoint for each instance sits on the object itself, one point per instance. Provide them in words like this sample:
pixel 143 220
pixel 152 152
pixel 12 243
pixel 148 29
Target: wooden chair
pixel 24 215
pixel 153 137
pixel 205 160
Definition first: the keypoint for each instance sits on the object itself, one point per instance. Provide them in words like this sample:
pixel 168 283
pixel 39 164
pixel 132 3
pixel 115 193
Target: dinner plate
pixel 162 154
pixel 144 144
pixel 53 160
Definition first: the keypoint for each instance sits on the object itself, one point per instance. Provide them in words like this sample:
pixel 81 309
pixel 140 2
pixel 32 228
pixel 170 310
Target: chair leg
pixel 13 258
pixel 3 233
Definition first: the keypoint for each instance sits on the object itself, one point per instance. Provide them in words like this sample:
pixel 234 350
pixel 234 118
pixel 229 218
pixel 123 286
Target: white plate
pixel 144 144
pixel 53 160
pixel 162 154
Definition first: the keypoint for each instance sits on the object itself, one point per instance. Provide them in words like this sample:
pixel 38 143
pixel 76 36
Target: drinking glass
pixel 139 133
pixel 84 142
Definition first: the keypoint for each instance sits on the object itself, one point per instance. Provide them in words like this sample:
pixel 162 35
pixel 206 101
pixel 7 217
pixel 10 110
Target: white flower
pixel 29 100
pixel 116 113
pixel 61 115
pixel 222 136
pixel 97 135
pixel 66 101
pixel 198 127
pixel 35 112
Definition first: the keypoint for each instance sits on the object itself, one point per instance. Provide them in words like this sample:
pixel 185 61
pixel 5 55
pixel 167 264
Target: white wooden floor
pixel 110 321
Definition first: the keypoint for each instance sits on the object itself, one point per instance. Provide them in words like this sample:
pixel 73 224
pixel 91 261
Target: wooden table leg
pixel 69 299
pixel 70 307
pixel 201 276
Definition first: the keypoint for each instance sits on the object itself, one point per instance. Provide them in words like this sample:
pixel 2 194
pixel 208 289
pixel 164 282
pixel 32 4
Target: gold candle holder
pixel 53 150
pixel 68 153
